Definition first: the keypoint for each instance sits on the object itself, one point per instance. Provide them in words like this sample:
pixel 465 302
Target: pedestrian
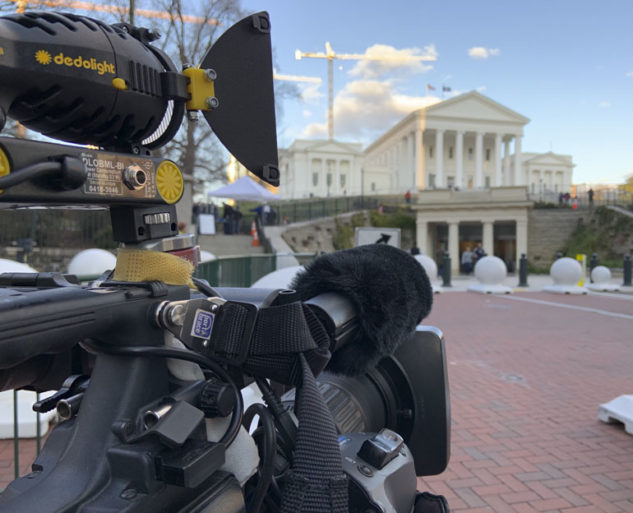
pixel 467 261
pixel 237 220
pixel 439 259
pixel 259 211
pixel 407 197
pixel 381 209
pixel 227 214
pixel 266 213
pixel 478 253
pixel 574 203
pixel 590 195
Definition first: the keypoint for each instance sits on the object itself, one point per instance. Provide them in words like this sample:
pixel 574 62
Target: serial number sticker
pixel 105 175
pixel 202 324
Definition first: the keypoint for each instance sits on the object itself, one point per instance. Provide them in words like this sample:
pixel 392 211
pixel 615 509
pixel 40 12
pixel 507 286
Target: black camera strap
pixel 291 346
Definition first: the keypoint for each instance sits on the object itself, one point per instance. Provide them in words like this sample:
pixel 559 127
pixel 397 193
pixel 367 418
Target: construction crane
pixel 296 78
pixel 330 55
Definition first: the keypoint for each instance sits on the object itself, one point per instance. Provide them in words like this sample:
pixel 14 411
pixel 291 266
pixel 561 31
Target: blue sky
pixel 565 64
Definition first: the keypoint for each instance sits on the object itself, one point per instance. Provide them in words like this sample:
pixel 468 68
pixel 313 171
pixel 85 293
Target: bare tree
pixel 195 149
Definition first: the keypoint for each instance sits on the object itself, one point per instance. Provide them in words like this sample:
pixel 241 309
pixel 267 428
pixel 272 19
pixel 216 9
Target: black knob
pixel 217 399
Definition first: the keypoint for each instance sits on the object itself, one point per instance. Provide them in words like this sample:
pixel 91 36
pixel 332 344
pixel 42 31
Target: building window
pixel 470 154
pixel 342 179
pixel 315 179
pixel 373 186
pixel 432 180
pixel 450 152
pixel 430 152
pixel 328 180
pixel 532 188
pixel 488 154
pixel 450 182
pixel 487 182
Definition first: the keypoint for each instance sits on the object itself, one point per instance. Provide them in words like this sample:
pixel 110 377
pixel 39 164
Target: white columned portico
pixel 459 160
pixel 506 163
pixel 419 165
pixel 498 172
pixel 453 246
pixel 439 158
pixel 479 150
pixel 488 238
pixel 517 160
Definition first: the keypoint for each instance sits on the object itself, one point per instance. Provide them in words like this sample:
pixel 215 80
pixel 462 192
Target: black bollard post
pixel 594 261
pixel 627 270
pixel 559 254
pixel 446 270
pixel 523 270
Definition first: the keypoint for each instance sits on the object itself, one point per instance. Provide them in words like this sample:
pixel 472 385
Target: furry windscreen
pixel 388 287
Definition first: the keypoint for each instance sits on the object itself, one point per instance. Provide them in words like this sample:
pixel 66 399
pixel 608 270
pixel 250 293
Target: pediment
pixel 549 159
pixel 475 106
pixel 333 147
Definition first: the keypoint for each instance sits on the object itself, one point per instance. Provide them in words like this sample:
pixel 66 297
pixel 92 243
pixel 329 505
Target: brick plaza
pixel 527 373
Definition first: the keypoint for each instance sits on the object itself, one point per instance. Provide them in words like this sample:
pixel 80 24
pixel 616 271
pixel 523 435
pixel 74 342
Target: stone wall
pixel 548 232
pixel 316 236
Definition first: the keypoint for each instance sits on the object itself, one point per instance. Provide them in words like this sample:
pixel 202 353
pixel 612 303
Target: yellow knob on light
pixel 5 166
pixel 119 84
pixel 169 181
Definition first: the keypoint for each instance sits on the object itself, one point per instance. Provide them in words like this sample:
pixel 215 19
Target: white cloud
pixel 481 89
pixel 479 52
pixel 366 108
pixel 381 60
pixel 629 74
pixel 311 93
pixel 306 113
pixel 604 105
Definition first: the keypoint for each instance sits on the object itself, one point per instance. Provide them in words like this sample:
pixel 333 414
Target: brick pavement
pixel 526 380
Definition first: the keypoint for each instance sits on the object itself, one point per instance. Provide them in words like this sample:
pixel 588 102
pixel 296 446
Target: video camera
pixel 148 362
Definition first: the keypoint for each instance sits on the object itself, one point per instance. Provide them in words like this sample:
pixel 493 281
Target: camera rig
pixel 148 370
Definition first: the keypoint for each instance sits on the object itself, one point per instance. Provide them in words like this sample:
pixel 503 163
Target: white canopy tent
pixel 244 189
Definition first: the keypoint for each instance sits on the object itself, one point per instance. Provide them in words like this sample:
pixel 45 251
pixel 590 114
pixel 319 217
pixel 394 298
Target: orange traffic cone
pixel 254 234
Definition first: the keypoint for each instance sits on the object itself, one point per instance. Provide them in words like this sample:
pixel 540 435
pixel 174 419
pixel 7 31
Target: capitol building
pixel 462 161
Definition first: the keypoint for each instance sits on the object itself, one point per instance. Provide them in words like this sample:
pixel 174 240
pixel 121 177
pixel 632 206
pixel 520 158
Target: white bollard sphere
pixel 9 266
pixel 91 262
pixel 566 271
pixel 429 266
pixel 490 270
pixel 601 274
pixel 207 256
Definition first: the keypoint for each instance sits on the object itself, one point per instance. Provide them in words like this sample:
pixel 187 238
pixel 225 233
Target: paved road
pixel 527 373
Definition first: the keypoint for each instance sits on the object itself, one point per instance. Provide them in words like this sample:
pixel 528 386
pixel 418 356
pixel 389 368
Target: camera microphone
pixel 389 291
